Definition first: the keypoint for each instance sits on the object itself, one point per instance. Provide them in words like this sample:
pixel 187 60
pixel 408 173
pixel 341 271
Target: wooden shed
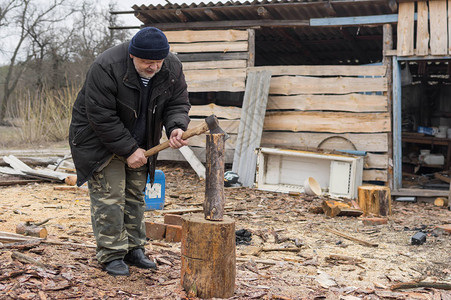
pixel 365 75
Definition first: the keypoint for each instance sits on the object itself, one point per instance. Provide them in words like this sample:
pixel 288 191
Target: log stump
pixel 208 257
pixel 375 200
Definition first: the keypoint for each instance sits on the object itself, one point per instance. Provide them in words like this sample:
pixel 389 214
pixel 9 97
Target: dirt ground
pixel 326 266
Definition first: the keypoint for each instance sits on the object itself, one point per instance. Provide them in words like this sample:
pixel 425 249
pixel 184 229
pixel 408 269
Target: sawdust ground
pixel 308 274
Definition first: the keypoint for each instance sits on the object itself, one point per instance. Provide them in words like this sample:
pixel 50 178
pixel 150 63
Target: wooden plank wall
pixel 432 29
pixel 332 108
pixel 213 61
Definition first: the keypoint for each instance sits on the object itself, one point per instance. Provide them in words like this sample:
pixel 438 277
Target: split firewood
pixel 290 249
pixel 30 229
pixel 9 237
pixel 362 242
pixel 421 284
pixel 441 202
pixel 68 244
pixel 442 177
pixel 161 260
pixel 26 259
pixel 252 250
pixel 333 258
pixel 278 297
pixel 153 243
pixel 259 261
pixel 24 245
pixel 260 234
pixel 277 238
pixel 71 180
pixel 335 208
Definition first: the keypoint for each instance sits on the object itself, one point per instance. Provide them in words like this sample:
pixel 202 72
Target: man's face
pixel 147 68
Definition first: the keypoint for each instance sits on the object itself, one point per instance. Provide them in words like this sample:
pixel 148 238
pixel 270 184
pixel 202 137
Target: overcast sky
pixel 121 5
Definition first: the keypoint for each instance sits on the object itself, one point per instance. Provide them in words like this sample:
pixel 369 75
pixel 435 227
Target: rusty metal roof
pixel 283 34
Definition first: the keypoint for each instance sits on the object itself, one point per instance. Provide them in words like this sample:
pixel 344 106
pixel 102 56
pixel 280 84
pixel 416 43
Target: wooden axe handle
pixel 186 135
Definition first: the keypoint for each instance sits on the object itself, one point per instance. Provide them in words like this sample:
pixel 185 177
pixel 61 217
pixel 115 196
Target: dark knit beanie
pixel 149 43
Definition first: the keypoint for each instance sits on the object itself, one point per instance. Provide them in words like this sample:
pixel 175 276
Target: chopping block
pixel 375 200
pixel 208 257
pixel 208 240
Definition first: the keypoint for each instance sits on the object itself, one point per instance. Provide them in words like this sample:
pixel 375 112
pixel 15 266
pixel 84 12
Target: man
pixel 130 92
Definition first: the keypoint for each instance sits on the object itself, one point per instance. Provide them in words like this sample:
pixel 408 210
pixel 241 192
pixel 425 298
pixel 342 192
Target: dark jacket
pixel 108 104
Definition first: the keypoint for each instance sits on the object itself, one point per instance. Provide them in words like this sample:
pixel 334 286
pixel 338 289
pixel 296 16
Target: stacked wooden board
pixel 309 107
pixel 331 108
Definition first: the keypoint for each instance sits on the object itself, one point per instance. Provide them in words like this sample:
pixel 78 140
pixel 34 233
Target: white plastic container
pixel 423 154
pixel 434 159
pixel 441 133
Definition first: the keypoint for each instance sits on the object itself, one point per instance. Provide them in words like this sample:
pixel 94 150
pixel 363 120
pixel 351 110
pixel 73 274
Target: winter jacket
pixel 108 105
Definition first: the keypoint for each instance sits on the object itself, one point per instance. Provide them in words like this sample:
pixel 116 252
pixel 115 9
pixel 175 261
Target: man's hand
pixel 137 159
pixel 175 140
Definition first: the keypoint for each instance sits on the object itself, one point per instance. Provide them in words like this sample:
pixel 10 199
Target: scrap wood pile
pixel 21 173
pixel 284 249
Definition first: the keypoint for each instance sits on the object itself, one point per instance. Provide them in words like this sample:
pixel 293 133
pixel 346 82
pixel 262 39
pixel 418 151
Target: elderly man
pixel 131 91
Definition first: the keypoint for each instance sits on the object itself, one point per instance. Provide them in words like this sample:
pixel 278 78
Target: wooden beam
pixel 355 21
pixel 375 175
pixel 219 64
pixel 422 29
pixel 289 85
pixel 336 122
pixel 374 142
pixel 387 62
pixel 212 56
pixel 231 24
pixel 325 70
pixel 251 48
pixel 175 155
pixel 194 36
pixel 350 102
pixel 449 38
pixel 229 126
pixel 232 80
pixel 420 193
pixel 226 112
pixel 239 46
pixel 406 29
pixel 439 28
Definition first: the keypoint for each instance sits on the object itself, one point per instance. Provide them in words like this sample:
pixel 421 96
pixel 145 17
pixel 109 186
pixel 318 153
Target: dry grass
pixel 42 116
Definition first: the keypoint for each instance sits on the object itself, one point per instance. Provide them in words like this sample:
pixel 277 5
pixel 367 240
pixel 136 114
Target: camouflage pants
pixel 117 209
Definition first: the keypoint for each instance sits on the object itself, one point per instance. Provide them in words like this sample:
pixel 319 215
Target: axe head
pixel 213 126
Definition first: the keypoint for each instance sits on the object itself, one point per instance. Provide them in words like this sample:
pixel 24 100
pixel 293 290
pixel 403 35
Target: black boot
pixel 137 258
pixel 117 267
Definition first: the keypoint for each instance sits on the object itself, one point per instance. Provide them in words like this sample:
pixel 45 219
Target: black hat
pixel 149 43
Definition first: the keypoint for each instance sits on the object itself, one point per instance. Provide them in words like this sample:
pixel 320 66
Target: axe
pixel 211 123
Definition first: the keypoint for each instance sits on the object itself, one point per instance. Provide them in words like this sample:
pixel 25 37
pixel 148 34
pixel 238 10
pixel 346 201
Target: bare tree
pixel 24 17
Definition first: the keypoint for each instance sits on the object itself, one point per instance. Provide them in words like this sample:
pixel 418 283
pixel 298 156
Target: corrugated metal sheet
pixel 287 45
